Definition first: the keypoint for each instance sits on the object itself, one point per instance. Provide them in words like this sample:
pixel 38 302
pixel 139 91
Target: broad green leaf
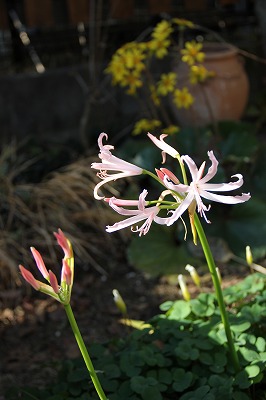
pixel 179 310
pixel 158 252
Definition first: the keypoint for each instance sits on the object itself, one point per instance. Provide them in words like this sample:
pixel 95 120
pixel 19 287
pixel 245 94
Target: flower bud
pixel 249 257
pixel 121 305
pixel 183 287
pixel 193 273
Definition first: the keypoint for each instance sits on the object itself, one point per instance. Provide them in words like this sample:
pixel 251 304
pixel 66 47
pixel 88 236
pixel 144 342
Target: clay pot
pixel 223 97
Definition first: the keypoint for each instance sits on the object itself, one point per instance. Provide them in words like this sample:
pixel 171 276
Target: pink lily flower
pixel 148 215
pixel 60 292
pixel 166 148
pixel 199 188
pixel 111 163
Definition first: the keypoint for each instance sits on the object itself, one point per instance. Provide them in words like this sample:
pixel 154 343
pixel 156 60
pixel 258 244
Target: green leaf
pixel 260 344
pixel 202 393
pixel 158 252
pixel 151 392
pixel 252 370
pixel 242 380
pixel 182 379
pixel 202 308
pixel 180 310
pixel 248 354
pixel 166 305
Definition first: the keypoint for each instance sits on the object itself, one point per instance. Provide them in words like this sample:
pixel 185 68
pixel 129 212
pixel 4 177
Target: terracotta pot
pixel 223 97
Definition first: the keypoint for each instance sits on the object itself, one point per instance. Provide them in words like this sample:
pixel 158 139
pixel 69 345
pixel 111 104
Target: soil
pixel 35 334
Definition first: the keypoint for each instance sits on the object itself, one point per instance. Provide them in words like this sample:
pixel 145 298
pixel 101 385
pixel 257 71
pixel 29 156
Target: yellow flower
pixel 182 98
pixel 162 30
pixel 171 130
pixel 183 23
pixel 116 68
pixel 133 59
pixel 145 125
pixel 199 73
pixel 166 83
pixel 191 53
pixel 133 81
pixel 159 47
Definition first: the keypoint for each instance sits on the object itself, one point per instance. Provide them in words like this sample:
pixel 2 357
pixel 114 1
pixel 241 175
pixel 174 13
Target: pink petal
pixel 53 282
pixel 225 199
pixel 66 274
pixel 40 263
pixel 27 275
pixel 63 243
pixel 223 187
pixel 213 168
pixel 164 146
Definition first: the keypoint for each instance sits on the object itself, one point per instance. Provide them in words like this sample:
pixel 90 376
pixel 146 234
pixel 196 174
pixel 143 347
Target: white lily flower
pixel 111 163
pixel 142 213
pixel 199 188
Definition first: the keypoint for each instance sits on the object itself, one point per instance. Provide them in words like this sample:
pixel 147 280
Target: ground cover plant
pixel 180 353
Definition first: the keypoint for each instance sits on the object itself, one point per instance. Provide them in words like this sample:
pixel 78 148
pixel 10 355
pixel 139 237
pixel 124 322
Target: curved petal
pixel 193 169
pixel 213 168
pixel 114 163
pixel 127 222
pixel 225 199
pixel 180 188
pixel 100 142
pixel 106 180
pixel 223 187
pixel 164 146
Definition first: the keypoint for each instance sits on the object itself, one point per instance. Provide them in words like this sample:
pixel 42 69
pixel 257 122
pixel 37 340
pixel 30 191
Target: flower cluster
pixel 176 197
pixel 61 292
pixel 132 68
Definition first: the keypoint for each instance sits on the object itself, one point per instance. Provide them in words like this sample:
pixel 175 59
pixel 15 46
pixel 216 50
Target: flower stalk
pixel 218 291
pixel 84 352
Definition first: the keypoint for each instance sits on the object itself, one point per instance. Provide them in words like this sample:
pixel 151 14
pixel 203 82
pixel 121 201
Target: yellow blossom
pixel 116 69
pixel 133 81
pixel 183 23
pixel 162 30
pixel 133 59
pixel 166 83
pixel 182 98
pixel 145 125
pixel 191 53
pixel 199 73
pixel 159 47
pixel 171 130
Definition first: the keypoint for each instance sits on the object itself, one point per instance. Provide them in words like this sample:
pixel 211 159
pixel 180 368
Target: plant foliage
pixel 181 354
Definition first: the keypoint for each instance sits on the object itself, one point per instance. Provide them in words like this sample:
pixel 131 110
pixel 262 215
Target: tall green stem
pixel 84 352
pixel 218 290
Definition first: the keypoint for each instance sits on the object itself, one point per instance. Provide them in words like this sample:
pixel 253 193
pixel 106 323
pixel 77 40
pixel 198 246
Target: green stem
pixel 84 352
pixel 218 290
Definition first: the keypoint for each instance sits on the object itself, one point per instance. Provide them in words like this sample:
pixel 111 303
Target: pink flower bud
pixel 63 243
pixel 40 263
pixel 66 275
pixel 53 282
pixel 27 275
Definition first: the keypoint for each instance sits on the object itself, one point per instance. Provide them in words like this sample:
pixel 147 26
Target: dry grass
pixel 30 213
